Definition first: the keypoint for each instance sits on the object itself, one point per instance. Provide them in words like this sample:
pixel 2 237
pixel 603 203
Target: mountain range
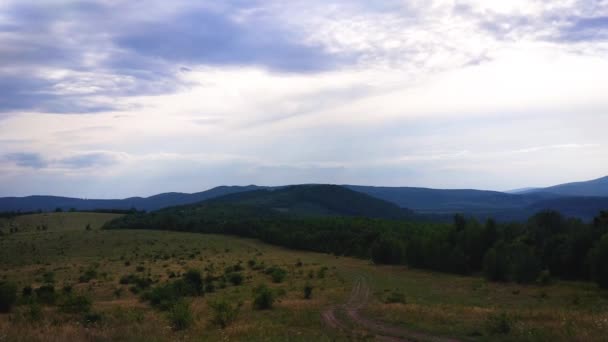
pixel 581 199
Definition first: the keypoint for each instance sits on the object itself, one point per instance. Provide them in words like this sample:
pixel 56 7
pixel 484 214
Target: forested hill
pixel 318 200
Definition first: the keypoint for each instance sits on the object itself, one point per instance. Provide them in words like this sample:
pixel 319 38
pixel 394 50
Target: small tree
pixel 181 316
pixel 263 298
pixel 308 291
pixel 387 250
pixel 224 313
pixel 599 262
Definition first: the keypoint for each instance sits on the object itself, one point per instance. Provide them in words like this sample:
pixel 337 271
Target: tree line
pixel 546 245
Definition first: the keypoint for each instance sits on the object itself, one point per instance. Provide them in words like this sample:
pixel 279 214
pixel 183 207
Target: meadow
pixel 348 298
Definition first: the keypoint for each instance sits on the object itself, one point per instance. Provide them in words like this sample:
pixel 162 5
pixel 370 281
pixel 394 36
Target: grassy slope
pixel 437 303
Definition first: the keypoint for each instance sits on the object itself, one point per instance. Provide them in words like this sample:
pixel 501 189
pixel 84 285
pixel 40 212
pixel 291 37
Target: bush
pixel 76 304
pixel 496 264
pixel 499 324
pixel 263 298
pixel 276 273
pixel 395 297
pixel 8 296
pixel 92 318
pixel 235 278
pixel 224 313
pixel 34 312
pixel 194 283
pixel 307 291
pixel 87 276
pixel 544 278
pixel 162 297
pixel 180 316
pixel 46 294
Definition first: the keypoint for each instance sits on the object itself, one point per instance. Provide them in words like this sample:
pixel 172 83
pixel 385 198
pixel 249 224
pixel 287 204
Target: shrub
pixel 224 313
pixel 544 278
pixel 46 294
pixel 180 316
pixel 276 273
pixel 92 318
pixel 8 296
pixel 48 278
pixel 194 283
pixel 321 272
pixel 162 297
pixel 76 304
pixel 307 291
pixel 499 324
pixel 395 297
pixel 140 268
pixel 263 298
pixel 87 276
pixel 27 291
pixel 235 278
pixel 34 312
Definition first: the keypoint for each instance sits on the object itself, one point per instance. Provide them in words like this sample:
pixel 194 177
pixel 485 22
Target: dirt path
pixel 363 326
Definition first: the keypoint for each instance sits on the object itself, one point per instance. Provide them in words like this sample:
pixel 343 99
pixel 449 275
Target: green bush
pixel 8 296
pixel 395 297
pixel 87 276
pixel 194 283
pixel 276 273
pixel 235 278
pixel 162 297
pixel 263 298
pixel 46 294
pixel 224 313
pixel 544 278
pixel 307 291
pixel 181 316
pixel 76 304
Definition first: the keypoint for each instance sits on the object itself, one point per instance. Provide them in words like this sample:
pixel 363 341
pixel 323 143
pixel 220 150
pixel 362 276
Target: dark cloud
pixel 32 160
pixel 78 161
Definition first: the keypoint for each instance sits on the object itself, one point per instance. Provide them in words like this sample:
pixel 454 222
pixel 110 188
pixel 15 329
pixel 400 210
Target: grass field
pixel 466 308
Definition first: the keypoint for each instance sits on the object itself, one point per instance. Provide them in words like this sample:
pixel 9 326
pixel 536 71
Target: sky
pixel 111 99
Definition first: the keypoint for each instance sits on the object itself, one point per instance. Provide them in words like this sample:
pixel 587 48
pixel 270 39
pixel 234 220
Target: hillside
pixel 317 200
pixel 450 201
pixel 50 203
pixel 596 187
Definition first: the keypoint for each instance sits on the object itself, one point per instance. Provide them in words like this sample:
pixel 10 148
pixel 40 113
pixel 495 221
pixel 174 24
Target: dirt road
pixel 347 319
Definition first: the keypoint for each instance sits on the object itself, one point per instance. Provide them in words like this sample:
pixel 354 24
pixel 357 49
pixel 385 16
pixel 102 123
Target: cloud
pixel 72 162
pixel 23 159
pixel 80 57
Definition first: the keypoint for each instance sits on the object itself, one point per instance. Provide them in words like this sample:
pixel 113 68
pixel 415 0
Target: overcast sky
pixel 116 98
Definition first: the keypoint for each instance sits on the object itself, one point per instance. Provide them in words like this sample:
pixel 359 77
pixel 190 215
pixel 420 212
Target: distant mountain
pixel 49 203
pixel 452 201
pixel 317 200
pixel 597 187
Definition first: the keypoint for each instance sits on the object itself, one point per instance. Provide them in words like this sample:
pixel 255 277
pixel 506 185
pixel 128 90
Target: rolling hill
pixel 50 203
pixel 317 200
pixel 597 187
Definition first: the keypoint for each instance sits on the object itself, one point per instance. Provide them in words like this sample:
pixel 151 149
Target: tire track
pixel 358 299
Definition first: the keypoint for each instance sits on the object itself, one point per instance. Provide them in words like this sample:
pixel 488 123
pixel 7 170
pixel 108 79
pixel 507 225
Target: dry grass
pixel 435 303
